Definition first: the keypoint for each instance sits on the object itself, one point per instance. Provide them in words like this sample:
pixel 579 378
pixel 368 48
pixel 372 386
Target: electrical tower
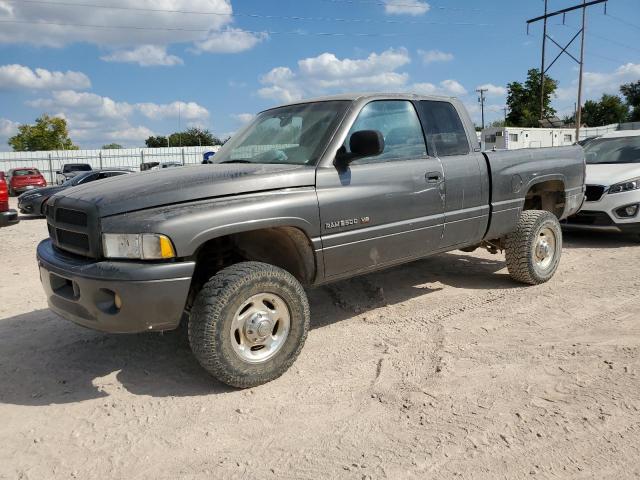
pixel 580 62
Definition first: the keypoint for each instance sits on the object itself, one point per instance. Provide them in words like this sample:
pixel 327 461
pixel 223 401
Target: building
pixel 510 138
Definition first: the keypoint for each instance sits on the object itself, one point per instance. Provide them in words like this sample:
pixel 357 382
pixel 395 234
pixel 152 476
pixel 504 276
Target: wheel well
pixel 547 196
pixel 286 247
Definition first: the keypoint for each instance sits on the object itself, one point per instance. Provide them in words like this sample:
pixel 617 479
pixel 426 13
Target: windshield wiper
pixel 237 161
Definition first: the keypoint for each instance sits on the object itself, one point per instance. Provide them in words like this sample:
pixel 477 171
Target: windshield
pixel 76 167
pixel 25 173
pixel 76 180
pixel 296 134
pixel 613 150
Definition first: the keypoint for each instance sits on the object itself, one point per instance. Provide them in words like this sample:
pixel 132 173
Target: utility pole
pixel 563 49
pixel 579 106
pixel 481 101
pixel 544 45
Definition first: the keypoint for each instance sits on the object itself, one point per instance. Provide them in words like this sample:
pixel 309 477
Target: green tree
pixel 112 146
pixel 631 92
pixel 609 109
pixel 523 100
pixel 193 137
pixel 156 142
pixel 48 133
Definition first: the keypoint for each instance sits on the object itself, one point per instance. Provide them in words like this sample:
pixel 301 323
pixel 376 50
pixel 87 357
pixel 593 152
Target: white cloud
pixel 493 90
pixel 406 7
pixel 243 118
pixel 326 73
pixel 126 24
pixel 231 40
pixel 8 129
pixel 597 83
pixel 187 111
pixel 94 119
pixel 145 56
pixel 18 76
pixel 139 134
pixel 87 103
pixel 446 88
pixel 431 56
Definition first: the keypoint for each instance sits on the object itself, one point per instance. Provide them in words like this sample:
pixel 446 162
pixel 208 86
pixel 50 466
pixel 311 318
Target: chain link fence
pixel 49 162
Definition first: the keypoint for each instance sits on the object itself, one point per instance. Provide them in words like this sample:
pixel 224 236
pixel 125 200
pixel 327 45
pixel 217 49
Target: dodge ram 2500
pixel 308 193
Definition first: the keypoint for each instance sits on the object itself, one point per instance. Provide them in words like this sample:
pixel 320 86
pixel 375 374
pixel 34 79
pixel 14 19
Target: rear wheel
pixel 249 323
pixel 534 248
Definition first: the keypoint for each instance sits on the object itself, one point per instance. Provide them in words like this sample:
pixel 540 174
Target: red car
pixel 7 216
pixel 22 179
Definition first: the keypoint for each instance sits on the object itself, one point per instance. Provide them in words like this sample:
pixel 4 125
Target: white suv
pixel 613 184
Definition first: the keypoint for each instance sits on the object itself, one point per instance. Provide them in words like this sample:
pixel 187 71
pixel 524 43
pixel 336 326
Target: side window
pixel 398 122
pixel 444 128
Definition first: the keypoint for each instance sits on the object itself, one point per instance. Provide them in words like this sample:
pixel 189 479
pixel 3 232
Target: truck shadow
pixel 46 360
pixel 578 239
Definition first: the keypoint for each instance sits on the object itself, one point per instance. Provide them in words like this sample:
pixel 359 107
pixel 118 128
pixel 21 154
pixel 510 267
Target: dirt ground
pixel 443 368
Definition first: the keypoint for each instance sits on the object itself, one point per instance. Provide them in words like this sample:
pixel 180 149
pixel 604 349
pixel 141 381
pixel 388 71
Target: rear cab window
pixel 443 128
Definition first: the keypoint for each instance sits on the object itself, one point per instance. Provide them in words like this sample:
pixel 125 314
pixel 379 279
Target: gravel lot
pixel 442 368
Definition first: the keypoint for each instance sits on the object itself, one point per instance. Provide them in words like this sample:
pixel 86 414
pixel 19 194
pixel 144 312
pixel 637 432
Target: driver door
pixel 385 209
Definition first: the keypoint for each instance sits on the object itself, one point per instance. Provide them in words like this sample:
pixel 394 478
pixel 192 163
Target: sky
pixel 122 70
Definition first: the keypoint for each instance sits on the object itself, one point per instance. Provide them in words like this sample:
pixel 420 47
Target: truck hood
pixel 610 173
pixel 128 193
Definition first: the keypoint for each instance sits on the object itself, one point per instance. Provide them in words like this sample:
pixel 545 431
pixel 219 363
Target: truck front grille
pixel 594 192
pixel 72 217
pixel 73 228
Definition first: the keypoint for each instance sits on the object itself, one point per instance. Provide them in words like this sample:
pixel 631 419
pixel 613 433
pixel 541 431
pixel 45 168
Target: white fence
pixel 48 162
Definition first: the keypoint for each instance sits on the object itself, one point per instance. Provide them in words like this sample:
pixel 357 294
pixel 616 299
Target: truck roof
pixel 369 96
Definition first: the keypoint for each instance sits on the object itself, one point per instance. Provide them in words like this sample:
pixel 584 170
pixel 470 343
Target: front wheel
pixel 534 248
pixel 249 323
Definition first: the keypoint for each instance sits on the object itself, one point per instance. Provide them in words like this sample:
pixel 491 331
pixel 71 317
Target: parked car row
pixel 34 201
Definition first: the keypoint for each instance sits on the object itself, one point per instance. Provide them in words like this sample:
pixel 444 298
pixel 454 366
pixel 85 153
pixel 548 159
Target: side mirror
pixel 363 143
pixel 367 143
pixel 58 172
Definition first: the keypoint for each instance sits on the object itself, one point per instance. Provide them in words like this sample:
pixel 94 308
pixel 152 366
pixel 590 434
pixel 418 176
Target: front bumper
pixel 152 295
pixel 600 215
pixel 31 205
pixel 10 217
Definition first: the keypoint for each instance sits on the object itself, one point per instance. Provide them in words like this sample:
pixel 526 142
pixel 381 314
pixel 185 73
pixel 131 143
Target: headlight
pixel 627 186
pixel 145 246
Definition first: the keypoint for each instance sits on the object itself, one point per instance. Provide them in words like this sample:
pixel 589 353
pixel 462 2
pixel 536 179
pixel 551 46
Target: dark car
pixel 7 216
pixel 33 202
pixel 24 178
pixel 70 170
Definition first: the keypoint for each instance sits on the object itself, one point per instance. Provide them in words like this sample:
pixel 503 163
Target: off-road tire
pixel 521 243
pixel 213 311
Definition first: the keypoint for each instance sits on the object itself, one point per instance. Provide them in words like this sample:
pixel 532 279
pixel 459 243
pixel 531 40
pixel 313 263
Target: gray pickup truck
pixel 308 193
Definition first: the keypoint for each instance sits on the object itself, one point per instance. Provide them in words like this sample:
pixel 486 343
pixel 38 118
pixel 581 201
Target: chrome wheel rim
pixel 260 327
pixel 544 250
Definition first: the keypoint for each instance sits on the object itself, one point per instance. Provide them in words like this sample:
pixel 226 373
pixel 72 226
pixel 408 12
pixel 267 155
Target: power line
pixel 246 15
pixel 622 20
pixel 190 29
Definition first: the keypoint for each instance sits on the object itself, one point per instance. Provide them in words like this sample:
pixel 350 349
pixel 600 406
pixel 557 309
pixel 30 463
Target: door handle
pixel 433 177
